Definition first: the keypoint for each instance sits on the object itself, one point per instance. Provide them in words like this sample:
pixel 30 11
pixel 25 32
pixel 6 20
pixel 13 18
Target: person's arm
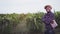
pixel 43 18
pixel 52 18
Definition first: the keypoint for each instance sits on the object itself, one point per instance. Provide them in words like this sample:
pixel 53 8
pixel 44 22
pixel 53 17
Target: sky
pixel 27 6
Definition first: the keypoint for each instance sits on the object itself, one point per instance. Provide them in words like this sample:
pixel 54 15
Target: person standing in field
pixel 48 20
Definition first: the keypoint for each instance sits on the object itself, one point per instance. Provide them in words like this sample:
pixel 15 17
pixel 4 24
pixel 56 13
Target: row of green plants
pixel 19 23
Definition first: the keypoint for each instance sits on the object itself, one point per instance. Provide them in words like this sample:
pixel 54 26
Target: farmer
pixel 47 19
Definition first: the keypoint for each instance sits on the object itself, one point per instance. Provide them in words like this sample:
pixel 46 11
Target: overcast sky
pixel 27 6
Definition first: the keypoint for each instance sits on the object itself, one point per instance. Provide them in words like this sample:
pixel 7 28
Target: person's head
pixel 48 8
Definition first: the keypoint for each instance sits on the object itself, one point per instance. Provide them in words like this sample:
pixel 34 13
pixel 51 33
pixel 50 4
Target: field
pixel 30 23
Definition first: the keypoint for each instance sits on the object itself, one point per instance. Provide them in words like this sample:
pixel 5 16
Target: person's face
pixel 48 9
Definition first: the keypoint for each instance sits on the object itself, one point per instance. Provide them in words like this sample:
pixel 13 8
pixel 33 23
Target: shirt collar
pixel 49 12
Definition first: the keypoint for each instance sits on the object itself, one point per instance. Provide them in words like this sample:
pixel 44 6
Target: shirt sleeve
pixel 43 18
pixel 52 16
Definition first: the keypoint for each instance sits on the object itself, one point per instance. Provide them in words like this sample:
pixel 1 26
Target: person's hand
pixel 52 22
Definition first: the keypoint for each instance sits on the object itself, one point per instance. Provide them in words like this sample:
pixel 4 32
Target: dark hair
pixel 47 6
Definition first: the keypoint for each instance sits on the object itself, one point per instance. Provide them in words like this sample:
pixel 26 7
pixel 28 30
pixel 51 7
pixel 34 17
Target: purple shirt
pixel 48 17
